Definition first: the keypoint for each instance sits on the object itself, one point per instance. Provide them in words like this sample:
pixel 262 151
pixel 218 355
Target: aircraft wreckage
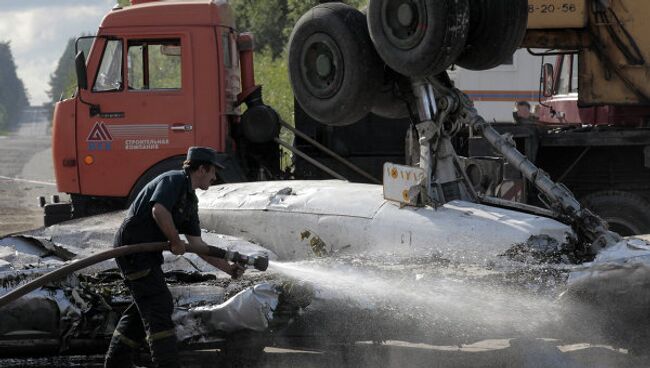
pixel 425 224
pixel 303 221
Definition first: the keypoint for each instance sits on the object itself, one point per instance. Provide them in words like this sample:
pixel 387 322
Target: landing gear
pixel 445 179
pixel 442 110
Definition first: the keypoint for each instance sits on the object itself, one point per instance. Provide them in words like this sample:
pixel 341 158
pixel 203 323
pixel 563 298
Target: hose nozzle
pixel 261 263
pixel 258 262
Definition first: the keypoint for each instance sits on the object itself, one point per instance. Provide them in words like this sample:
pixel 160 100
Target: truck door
pixel 141 89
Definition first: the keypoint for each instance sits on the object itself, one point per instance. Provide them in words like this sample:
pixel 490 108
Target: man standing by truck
pixel 164 208
pixel 523 114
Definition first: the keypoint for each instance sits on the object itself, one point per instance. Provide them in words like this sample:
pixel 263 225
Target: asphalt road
pixel 26 173
pixel 526 353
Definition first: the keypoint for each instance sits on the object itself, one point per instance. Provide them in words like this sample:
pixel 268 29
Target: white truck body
pixel 496 91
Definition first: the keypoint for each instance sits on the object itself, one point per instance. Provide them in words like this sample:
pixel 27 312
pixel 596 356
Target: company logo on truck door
pixel 99 138
pixel 135 137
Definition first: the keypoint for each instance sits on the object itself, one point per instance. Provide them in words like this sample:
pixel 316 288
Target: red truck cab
pixel 563 108
pixel 161 76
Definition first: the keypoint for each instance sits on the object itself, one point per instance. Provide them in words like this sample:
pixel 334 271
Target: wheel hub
pixel 321 65
pixel 405 15
pixel 404 22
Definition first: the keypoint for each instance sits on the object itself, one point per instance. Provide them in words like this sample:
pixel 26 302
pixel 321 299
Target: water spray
pixel 457 304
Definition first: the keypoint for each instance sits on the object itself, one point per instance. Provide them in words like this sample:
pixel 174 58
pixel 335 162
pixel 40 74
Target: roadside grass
pixel 273 75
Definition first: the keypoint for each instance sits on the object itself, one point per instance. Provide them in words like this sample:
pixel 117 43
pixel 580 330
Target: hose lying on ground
pixel 260 263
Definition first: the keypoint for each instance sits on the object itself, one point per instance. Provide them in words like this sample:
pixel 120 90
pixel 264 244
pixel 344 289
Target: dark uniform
pixel 152 308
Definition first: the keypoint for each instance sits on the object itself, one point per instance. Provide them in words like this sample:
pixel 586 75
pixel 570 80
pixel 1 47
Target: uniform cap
pixel 206 154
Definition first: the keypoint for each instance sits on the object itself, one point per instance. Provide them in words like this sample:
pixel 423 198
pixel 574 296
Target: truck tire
pixel 418 38
pixel 627 213
pixel 496 29
pixel 333 67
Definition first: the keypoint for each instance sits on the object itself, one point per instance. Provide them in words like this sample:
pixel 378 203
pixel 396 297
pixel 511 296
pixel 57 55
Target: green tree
pixel 13 98
pixel 63 81
pixel 271 21
pixel 272 75
pixel 266 19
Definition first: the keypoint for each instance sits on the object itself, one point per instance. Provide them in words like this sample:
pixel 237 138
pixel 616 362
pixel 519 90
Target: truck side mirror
pixel 80 68
pixel 548 79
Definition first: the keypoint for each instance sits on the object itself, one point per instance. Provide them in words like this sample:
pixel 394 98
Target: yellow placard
pixel 557 14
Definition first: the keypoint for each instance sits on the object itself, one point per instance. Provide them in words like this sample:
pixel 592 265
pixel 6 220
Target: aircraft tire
pixel 496 29
pixel 334 70
pixel 418 38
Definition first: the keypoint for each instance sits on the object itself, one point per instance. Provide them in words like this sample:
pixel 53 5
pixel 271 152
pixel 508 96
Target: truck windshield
pixel 109 75
pixel 154 64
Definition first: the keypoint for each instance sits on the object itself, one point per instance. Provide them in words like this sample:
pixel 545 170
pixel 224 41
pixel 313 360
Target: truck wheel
pixel 175 163
pixel 496 29
pixel 627 213
pixel 418 38
pixel 333 67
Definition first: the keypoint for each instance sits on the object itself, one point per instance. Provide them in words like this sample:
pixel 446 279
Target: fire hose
pixel 258 262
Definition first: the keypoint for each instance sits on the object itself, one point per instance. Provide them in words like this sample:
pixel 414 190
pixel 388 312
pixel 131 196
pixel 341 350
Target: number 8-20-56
pixel 551 8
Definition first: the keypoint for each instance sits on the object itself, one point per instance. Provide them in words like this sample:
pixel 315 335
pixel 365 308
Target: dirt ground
pixel 26 173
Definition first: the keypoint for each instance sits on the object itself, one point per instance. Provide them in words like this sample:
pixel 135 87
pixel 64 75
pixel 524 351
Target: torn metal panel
pixel 621 269
pixel 614 292
pixel 251 309
pixel 19 251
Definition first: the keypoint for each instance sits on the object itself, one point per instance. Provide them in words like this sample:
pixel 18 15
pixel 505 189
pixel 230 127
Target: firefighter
pixel 164 208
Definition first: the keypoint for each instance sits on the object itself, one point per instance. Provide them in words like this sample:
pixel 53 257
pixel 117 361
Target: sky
pixel 39 30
